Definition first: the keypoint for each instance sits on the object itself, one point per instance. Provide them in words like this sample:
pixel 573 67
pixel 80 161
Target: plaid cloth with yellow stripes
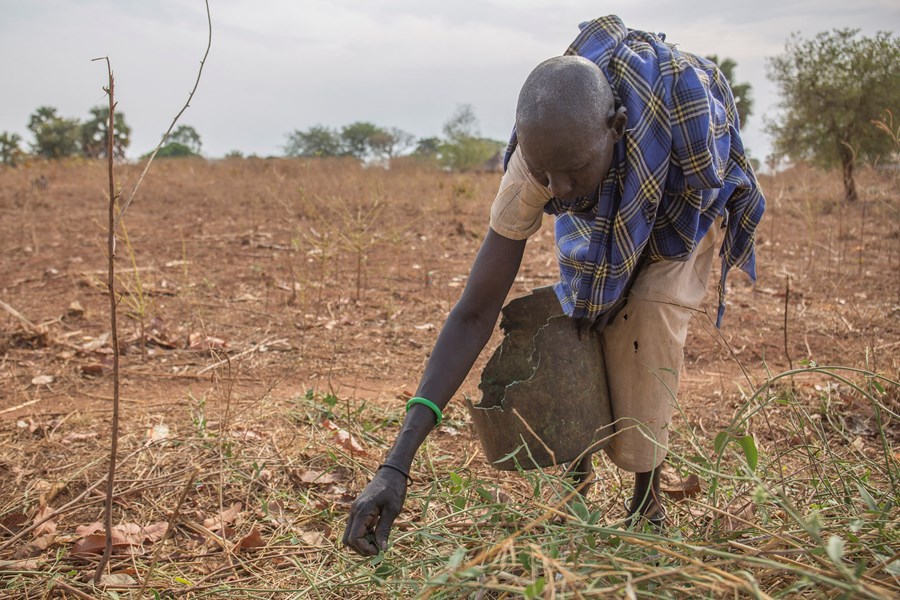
pixel 680 165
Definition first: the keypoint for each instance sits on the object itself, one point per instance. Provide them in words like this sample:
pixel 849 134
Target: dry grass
pixel 256 335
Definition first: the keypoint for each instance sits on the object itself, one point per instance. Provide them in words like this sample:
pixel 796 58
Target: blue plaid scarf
pixel 680 165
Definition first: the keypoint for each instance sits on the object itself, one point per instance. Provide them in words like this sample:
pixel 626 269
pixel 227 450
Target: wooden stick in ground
pixel 111 290
pixel 173 520
pixel 111 248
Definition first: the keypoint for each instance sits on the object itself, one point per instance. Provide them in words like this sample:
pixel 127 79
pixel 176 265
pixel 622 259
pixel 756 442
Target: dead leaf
pixel 343 439
pixel 47 526
pixel 348 442
pixel 117 579
pixel 13 523
pixel 226 517
pixel 42 380
pixel 314 538
pixel 132 532
pixel 424 327
pixel 93 537
pixel 46 491
pixel 317 477
pixel 94 527
pixel 35 546
pixel 252 540
pixel 678 487
pixel 94 543
pixel 155 532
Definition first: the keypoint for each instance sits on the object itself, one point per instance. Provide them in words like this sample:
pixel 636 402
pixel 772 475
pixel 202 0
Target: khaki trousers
pixel 644 351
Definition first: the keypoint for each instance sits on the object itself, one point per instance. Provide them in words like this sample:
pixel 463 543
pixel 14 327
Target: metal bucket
pixel 544 393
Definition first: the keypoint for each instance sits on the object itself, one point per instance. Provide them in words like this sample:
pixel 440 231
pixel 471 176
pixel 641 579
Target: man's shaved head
pixel 567 125
pixel 564 94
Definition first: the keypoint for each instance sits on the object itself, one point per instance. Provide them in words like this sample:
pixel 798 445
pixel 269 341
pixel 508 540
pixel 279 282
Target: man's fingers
pixel 356 526
pixel 360 524
pixel 363 546
pixel 383 529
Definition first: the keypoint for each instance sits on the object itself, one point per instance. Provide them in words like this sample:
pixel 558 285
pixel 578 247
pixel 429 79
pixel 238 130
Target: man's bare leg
pixel 647 501
pixel 582 473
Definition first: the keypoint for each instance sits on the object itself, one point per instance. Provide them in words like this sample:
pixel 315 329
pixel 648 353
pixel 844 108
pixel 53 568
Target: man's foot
pixel 654 514
pixel 582 474
pixel 646 503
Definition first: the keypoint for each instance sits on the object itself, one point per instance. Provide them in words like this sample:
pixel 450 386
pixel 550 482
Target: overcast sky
pixel 280 65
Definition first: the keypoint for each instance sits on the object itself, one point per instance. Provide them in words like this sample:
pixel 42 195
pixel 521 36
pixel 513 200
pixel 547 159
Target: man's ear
pixel 617 122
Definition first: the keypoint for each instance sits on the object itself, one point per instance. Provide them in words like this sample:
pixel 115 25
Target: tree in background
pixel 54 136
pixel 356 139
pixel 391 142
pixel 10 151
pixel 318 140
pixel 188 137
pixel 464 148
pixel 832 87
pixel 428 148
pixel 743 97
pixel 94 134
pixel 183 142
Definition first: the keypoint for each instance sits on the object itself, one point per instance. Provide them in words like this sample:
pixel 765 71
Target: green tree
pixel 390 143
pixel 186 136
pixel 464 149
pixel 318 140
pixel 54 136
pixel 357 137
pixel 427 147
pixel 10 151
pixel 183 142
pixel 832 87
pixel 94 134
pixel 743 93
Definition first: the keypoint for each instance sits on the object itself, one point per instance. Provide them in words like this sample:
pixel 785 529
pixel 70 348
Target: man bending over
pixel 635 147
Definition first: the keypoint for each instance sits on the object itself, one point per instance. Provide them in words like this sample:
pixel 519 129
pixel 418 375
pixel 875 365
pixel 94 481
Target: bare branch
pixel 174 121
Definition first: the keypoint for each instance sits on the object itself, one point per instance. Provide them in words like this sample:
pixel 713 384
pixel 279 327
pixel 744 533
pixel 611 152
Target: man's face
pixel 570 166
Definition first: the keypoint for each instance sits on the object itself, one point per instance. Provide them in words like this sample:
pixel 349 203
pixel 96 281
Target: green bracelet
pixel 426 402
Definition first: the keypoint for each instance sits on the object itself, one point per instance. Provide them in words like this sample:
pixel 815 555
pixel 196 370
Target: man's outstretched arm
pixel 464 335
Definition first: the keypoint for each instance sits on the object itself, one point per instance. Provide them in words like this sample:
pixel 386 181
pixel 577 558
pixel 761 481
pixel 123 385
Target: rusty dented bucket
pixel 542 375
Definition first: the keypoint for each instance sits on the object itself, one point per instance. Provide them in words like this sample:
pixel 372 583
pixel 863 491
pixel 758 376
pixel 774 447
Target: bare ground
pixel 277 294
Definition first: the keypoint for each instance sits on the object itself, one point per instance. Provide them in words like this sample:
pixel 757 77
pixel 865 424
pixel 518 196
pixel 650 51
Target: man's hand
pixel 372 514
